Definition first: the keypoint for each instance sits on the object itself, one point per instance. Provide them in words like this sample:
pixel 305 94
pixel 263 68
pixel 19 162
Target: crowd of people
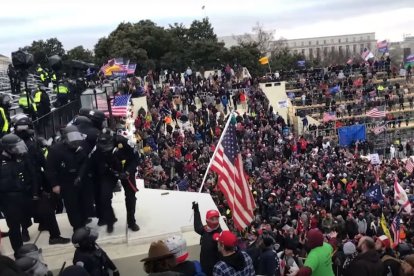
pixel 313 214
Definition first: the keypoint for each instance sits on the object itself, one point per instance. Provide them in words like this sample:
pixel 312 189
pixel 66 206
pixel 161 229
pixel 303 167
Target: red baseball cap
pixel 226 237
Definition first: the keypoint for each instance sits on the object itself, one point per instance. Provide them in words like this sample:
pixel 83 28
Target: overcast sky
pixel 83 22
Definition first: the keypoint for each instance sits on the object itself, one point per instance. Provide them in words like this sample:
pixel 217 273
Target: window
pixel 347 49
pixel 325 51
pixel 310 52
pixel 317 42
pixel 354 39
pixel 310 43
pixel 332 40
pixel 340 49
pixel 324 42
pixel 354 48
pixel 303 51
pixel 339 40
pixel 333 49
pixel 318 52
pixel 303 43
pixel 362 47
pixel 360 38
pixel 346 40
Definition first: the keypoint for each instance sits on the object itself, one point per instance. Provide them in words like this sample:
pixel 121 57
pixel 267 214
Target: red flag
pixel 232 181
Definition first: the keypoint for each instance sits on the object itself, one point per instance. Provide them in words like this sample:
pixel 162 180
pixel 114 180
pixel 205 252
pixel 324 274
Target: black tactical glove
pixel 195 207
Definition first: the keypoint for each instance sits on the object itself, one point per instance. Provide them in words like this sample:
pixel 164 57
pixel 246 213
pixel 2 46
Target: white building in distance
pixel 4 62
pixel 350 44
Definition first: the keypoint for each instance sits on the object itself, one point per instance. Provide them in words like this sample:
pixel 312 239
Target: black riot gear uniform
pixel 17 187
pixel 66 168
pixel 89 255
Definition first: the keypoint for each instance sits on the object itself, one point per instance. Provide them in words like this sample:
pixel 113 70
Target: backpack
pixel 197 266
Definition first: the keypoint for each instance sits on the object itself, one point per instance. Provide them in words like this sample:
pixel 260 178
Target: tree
pixel 201 30
pixel 80 53
pixel 41 50
pixel 246 55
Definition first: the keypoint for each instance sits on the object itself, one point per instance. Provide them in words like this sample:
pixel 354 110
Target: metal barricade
pixel 49 125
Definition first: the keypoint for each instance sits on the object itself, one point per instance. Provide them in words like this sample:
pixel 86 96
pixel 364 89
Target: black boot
pixel 58 240
pixel 110 228
pixel 134 227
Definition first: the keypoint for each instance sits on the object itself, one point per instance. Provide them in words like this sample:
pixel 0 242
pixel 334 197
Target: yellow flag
pixel 264 60
pixel 385 228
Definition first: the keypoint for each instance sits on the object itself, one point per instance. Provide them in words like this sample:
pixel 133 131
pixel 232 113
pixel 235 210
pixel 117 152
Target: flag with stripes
pixel 232 180
pixel 377 112
pixel 367 54
pixel 401 197
pixel 409 165
pixel 328 116
pixel 395 228
pixel 382 46
pixel 379 129
pixel 119 106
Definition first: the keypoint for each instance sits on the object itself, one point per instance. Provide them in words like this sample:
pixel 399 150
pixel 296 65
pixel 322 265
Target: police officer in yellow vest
pixel 28 107
pixel 42 101
pixel 43 75
pixel 5 103
pixel 62 94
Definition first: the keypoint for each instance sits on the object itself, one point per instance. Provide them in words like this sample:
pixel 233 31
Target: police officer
pixel 125 167
pixel 17 187
pixel 28 106
pixel 42 101
pixel 66 167
pixel 43 209
pixel 62 94
pixel 14 80
pixel 43 75
pixel 103 162
pixel 5 103
pixel 90 256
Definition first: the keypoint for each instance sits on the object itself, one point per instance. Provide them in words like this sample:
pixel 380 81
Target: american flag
pixel 409 166
pixel 395 228
pixel 377 112
pixel 328 116
pixel 401 197
pixel 349 61
pixel 367 54
pixel 228 164
pixel 379 129
pixel 120 105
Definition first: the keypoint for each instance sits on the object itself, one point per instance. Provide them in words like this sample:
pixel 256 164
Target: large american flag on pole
pixel 232 180
pixel 377 112
pixel 395 228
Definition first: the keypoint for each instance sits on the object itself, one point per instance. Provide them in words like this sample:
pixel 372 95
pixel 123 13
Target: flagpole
pixel 215 151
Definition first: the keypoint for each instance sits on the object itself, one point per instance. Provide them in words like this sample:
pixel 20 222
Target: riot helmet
pixel 33 267
pixel 72 136
pixel 23 126
pixel 13 145
pixel 5 101
pixel 83 123
pixel 85 238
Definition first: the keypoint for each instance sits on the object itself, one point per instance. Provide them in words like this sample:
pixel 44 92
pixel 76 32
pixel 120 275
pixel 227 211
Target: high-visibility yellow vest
pixel 53 78
pixel 380 88
pixel 62 89
pixel 38 97
pixel 45 152
pixel 23 102
pixel 43 76
pixel 5 127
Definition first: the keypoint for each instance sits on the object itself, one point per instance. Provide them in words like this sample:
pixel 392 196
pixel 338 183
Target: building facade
pixel 319 47
pixel 4 63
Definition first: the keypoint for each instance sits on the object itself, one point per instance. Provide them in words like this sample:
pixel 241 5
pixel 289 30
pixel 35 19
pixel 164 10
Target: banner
pixel 351 134
pixel 283 103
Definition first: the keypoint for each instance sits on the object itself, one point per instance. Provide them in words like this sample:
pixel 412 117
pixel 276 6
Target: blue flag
pixel 374 193
pixel 351 134
pixel 334 89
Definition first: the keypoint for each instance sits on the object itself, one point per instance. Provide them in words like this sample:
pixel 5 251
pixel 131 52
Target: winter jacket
pixel 366 264
pixel 269 263
pixel 209 255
